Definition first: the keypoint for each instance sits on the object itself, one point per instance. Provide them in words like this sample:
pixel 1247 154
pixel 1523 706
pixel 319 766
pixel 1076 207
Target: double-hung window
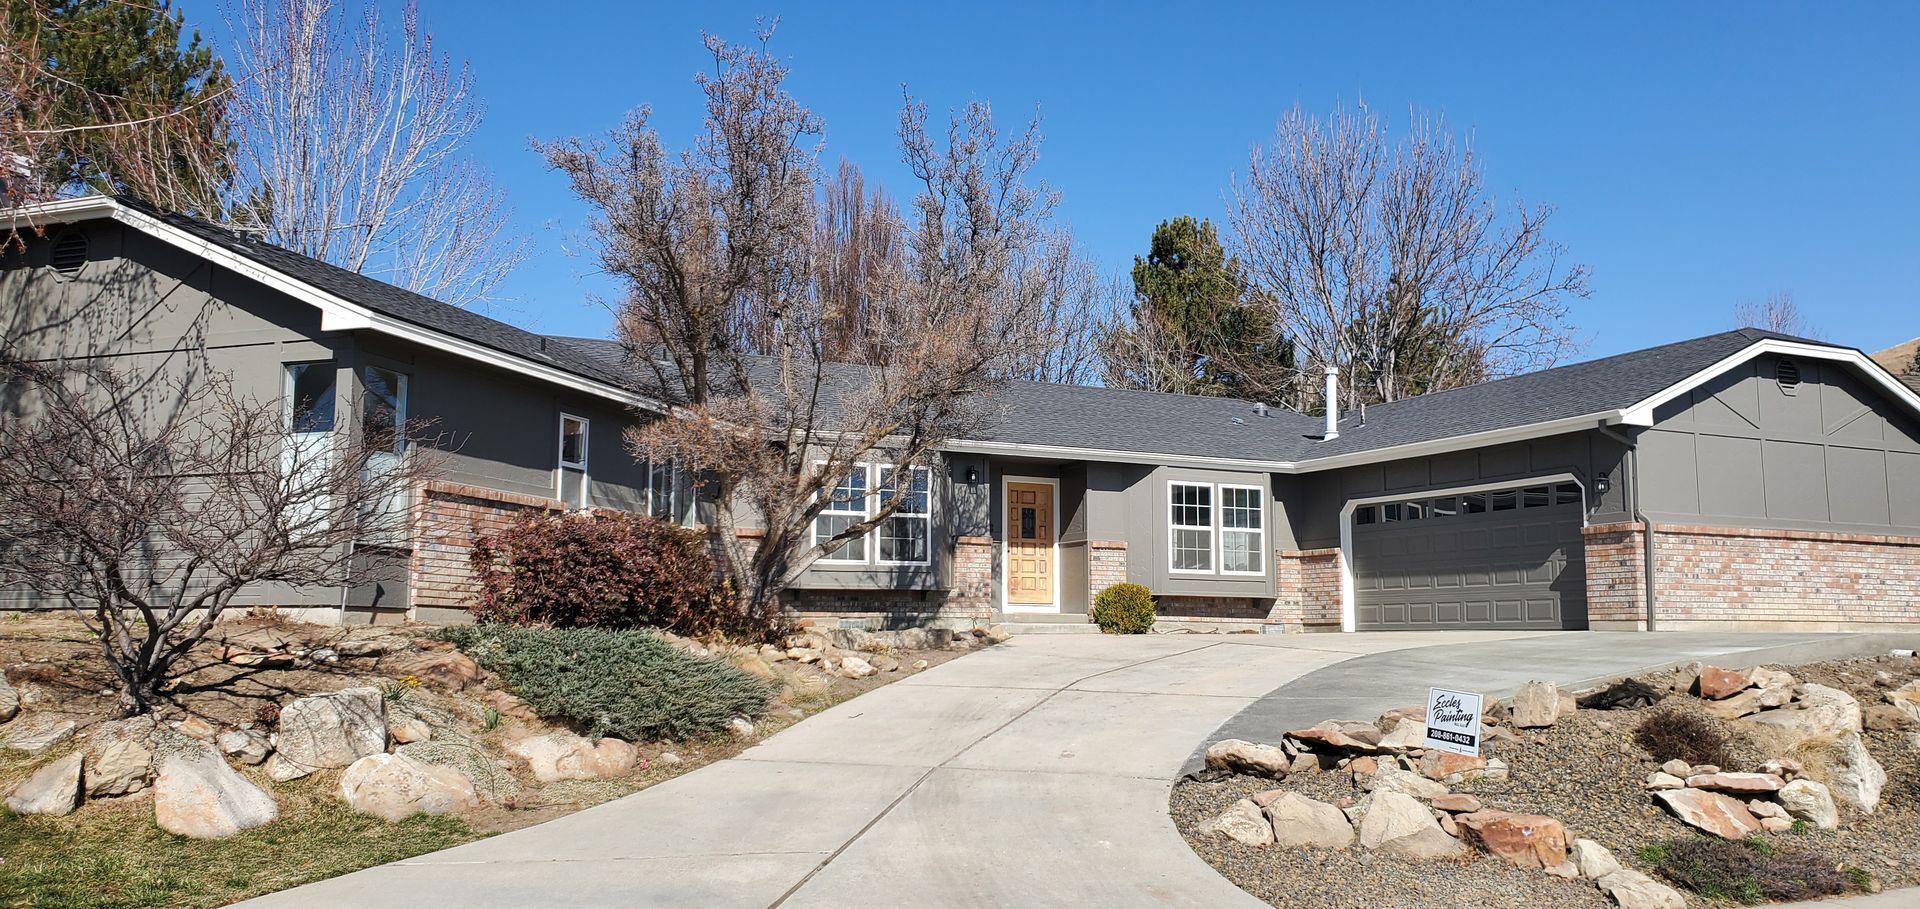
pixel 904 538
pixel 1216 529
pixel 572 476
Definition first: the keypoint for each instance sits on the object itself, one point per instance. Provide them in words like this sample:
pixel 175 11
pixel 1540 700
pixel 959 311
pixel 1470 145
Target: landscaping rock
pixel 53 789
pixel 1253 758
pixel 1763 809
pixel 1855 777
pixel 1737 783
pixel 196 794
pixel 1677 767
pixel 741 727
pixel 1660 780
pixel 325 731
pixel 1397 825
pixel 1536 705
pixel 1301 821
pixel 1448 767
pixel 35 734
pixel 1718 684
pixel 1404 738
pixel 395 786
pixel 452 670
pixel 9 700
pixel 370 647
pixel 1784 768
pixel 244 745
pixel 1243 822
pixel 564 756
pixel 1711 812
pixel 1633 890
pixel 1905 698
pixel 1776 824
pixel 1818 712
pixel 1884 718
pixel 406 729
pixel 1456 803
pixel 1521 840
pixel 508 704
pixel 853 667
pixel 1594 860
pixel 1392 720
pixel 804 654
pixel 1338 735
pixel 919 665
pixel 1744 703
pixel 120 757
pixel 755 665
pixel 1762 677
pixel 1406 782
pixel 1811 802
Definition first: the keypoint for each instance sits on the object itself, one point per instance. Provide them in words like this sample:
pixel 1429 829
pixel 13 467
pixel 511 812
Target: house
pixel 1741 480
pixel 1902 360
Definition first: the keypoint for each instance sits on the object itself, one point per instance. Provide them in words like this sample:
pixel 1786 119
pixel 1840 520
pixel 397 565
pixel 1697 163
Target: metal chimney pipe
pixel 1333 403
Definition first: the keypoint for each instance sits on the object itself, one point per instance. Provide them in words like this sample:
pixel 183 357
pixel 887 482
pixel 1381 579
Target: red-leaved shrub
pixel 599 570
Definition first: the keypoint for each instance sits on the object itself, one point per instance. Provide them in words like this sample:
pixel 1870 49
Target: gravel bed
pixel 1586 772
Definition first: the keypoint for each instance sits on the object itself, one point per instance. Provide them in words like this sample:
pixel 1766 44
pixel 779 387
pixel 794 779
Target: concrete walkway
pixel 1032 774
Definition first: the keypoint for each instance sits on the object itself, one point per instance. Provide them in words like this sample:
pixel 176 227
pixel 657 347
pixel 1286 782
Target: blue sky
pixel 1698 155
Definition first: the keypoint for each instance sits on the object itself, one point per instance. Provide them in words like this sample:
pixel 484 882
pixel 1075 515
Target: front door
pixel 1030 552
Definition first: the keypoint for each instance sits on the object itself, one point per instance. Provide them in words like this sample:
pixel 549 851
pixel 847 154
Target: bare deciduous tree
pixel 1776 313
pixel 724 233
pixel 351 148
pixel 1390 259
pixel 147 506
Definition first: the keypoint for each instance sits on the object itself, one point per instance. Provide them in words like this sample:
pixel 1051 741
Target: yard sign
pixel 1453 721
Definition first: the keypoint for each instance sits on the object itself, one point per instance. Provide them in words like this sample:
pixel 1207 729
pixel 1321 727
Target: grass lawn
pixel 112 855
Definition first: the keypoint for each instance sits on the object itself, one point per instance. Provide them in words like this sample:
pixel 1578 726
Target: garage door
pixel 1508 558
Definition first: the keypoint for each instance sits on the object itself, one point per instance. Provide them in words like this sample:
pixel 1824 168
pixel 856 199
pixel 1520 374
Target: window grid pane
pixel 1192 549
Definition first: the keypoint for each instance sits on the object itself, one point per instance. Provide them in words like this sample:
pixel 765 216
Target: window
pixel 573 442
pixel 1475 503
pixel 383 408
pixel 1390 512
pixel 1446 507
pixel 667 490
pixel 905 536
pixel 1192 526
pixel 1366 514
pixel 1536 497
pixel 846 506
pixel 1414 511
pixel 1505 501
pixel 309 451
pixel 1568 494
pixel 1242 530
pixel 310 390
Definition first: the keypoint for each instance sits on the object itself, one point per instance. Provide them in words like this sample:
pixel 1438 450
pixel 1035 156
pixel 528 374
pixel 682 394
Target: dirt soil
pixel 1587 772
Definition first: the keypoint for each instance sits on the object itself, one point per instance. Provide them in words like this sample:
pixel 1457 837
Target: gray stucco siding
pixel 1833 453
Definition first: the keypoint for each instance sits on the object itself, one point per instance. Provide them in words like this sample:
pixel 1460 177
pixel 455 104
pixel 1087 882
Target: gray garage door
pixel 1502 559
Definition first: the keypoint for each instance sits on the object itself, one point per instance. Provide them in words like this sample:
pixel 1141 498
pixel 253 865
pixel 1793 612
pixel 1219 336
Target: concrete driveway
pixel 1035 773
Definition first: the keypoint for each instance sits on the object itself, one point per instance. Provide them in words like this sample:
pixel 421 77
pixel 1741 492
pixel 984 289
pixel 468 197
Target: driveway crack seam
pixel 884 812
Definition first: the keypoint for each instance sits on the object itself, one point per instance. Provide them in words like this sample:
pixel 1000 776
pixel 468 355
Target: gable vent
pixel 69 253
pixel 1788 375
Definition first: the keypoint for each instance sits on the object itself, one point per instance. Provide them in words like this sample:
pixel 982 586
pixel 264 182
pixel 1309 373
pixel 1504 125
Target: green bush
pixel 600 569
pixel 1749 871
pixel 1124 609
pixel 1671 734
pixel 626 683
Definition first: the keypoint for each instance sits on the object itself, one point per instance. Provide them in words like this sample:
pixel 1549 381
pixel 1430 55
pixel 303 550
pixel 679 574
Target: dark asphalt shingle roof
pixel 1108 419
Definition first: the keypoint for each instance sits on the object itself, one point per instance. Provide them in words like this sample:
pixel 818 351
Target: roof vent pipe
pixel 1333 403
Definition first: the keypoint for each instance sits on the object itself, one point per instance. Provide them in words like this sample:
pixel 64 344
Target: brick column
pixel 1307 588
pixel 450 516
pixel 971 593
pixel 1616 576
pixel 1106 566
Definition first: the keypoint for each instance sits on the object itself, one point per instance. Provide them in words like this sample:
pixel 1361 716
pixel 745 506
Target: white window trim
pixel 1213 528
pixel 874 495
pixel 586 429
pixel 838 556
pixel 651 494
pixel 1006 536
pixel 1221 528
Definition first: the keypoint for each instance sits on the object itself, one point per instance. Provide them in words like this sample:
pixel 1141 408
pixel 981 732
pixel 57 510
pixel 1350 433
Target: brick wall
pixel 450 517
pixel 1106 566
pixel 1714 577
pixel 1308 583
pixel 968 602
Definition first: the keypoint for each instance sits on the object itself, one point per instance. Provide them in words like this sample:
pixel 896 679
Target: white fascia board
pixel 336 313
pixel 1641 414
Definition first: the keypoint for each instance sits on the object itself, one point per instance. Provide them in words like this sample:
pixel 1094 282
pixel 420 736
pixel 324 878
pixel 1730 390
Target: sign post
pixel 1453 721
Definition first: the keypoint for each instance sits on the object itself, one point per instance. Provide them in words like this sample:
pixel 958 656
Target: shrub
pixel 599 570
pixel 1748 871
pixel 626 683
pixel 1673 734
pixel 1124 609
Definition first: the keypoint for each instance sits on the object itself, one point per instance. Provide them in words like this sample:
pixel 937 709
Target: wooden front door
pixel 1030 552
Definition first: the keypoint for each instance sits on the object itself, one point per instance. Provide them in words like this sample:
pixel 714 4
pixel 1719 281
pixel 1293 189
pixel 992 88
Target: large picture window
pixel 904 538
pixel 1192 526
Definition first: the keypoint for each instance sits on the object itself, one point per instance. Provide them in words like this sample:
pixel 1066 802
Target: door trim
pixel 1006 534
pixel 1349 621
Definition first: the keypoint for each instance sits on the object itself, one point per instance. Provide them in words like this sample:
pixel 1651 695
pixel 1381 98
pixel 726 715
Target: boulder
pixel 35 734
pixel 1456 803
pixel 1243 822
pixel 1811 802
pixel 407 729
pixel 1737 783
pixel 1406 782
pixel 1632 890
pixel 1744 703
pixel 325 731
pixel 1818 712
pixel 1762 677
pixel 1536 705
pixel 564 756
pixel 1884 718
pixel 1659 780
pixel 120 757
pixel 741 727
pixel 1339 735
pixel 1718 684
pixel 1363 766
pixel 9 700
pixel 53 789
pixel 1855 777
pixel 1404 738
pixel 854 667
pixel 395 786
pixel 196 794
pixel 1301 821
pixel 1677 767
pixel 1711 812
pixel 1905 698
pixel 1393 719
pixel 1776 824
pixel 1447 766
pixel 1521 840
pixel 452 670
pixel 1397 825
pixel 1764 809
pixel 1252 758
pixel 1594 860
pixel 244 745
